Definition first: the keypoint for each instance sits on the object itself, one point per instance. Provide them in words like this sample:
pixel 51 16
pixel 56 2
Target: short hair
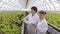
pixel 34 8
pixel 42 12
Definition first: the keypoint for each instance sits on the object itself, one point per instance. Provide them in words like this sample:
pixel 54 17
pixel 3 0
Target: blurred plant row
pixel 10 22
pixel 53 18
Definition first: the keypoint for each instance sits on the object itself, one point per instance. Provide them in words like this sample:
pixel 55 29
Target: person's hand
pixel 34 25
pixel 22 19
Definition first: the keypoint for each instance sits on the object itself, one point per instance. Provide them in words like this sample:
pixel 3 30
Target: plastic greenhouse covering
pixel 49 5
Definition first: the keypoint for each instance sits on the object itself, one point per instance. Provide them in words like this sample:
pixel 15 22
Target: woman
pixel 42 25
pixel 31 21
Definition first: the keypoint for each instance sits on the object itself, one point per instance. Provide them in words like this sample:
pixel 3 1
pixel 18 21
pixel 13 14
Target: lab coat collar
pixel 42 19
pixel 33 14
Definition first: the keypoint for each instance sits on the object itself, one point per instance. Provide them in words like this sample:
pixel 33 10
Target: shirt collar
pixel 33 14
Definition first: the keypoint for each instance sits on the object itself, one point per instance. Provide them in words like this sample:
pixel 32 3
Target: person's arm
pixel 27 22
pixel 36 19
pixel 25 19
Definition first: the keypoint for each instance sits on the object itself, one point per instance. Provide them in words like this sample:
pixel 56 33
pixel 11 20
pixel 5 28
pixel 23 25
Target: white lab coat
pixel 31 20
pixel 42 26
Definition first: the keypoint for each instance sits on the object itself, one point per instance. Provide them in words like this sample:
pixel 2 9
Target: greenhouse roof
pixel 50 5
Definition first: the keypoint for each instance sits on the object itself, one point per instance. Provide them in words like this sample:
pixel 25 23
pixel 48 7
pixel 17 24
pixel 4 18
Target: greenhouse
pixel 13 11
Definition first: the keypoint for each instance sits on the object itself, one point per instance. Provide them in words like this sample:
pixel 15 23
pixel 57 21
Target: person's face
pixel 32 11
pixel 41 16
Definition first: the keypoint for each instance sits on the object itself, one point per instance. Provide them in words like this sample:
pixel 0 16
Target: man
pixel 42 25
pixel 32 20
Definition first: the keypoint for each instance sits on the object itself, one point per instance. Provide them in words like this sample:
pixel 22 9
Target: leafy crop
pixel 53 18
pixel 10 22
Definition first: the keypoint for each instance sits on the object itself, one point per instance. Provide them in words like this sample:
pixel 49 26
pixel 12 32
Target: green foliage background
pixel 53 18
pixel 10 21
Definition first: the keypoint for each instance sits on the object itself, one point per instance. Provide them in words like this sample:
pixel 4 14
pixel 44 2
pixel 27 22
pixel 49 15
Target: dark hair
pixel 42 12
pixel 34 8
